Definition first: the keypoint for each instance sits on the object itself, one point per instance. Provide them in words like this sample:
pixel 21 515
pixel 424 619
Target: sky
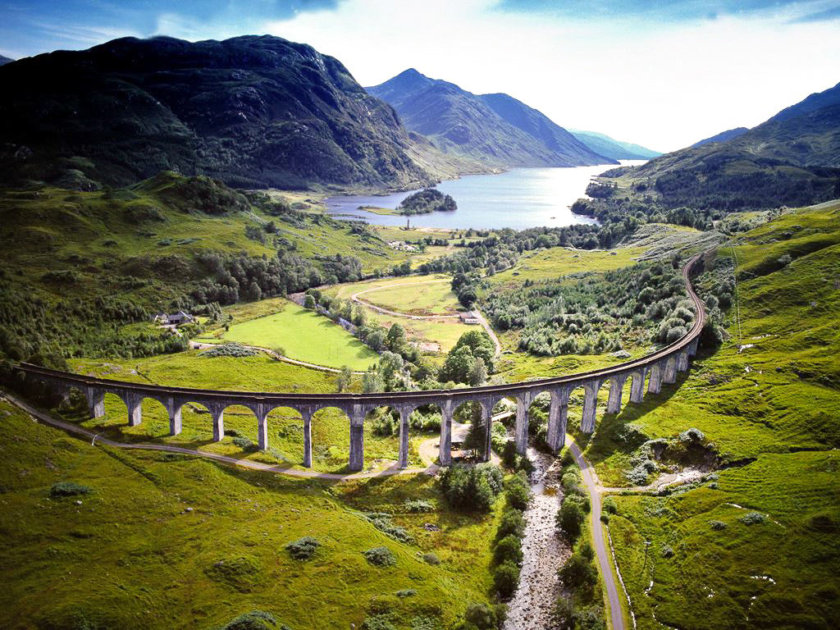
pixel 660 74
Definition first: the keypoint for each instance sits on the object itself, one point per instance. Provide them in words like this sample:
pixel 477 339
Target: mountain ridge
pixel 610 147
pixel 496 130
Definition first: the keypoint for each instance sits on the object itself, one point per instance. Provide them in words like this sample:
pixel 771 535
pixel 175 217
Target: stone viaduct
pixel 659 368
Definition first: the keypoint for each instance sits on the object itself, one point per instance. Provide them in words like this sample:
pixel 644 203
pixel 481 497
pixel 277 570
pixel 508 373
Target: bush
pixel 518 492
pixel 406 592
pixel 380 557
pixel 570 519
pixel 481 616
pixel 382 522
pixel 245 444
pixel 578 572
pixel 254 620
pixel 418 505
pixel 753 518
pixel 471 488
pixel 379 622
pixel 581 500
pixel 303 548
pixel 667 552
pixel 569 480
pixel 717 525
pixel 692 435
pixel 508 549
pixel 431 558
pixel 610 505
pixel 505 579
pixel 512 524
pixel 68 489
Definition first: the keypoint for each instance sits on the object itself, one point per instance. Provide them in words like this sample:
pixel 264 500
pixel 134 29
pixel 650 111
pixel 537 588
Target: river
pixel 544 552
pixel 519 198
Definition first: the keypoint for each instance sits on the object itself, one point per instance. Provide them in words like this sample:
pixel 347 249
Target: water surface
pixel 519 198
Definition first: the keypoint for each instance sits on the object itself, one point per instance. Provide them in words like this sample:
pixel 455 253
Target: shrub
pixel 570 480
pixel 431 558
pixel 406 592
pixel 303 548
pixel 68 489
pixel 418 505
pixel 380 557
pixel 228 350
pixel 667 552
pixel 578 572
pixel 567 459
pixel 610 505
pixel 382 522
pixel 605 518
pixel 379 622
pixel 753 518
pixel 581 500
pixel 254 620
pixel 473 488
pixel 505 579
pixel 512 524
pixel 692 435
pixel 508 549
pixel 481 616
pixel 570 519
pixel 518 491
pixel 717 525
pixel 245 444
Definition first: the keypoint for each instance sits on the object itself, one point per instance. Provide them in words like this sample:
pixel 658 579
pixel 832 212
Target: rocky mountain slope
pixel 493 129
pixel 250 111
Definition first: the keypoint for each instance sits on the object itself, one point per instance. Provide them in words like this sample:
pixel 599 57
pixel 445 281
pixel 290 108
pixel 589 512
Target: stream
pixel 544 551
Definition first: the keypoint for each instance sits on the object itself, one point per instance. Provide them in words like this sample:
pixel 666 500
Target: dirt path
pixel 484 323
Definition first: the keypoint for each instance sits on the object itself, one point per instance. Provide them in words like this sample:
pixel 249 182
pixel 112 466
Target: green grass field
pixel 167 541
pixel 303 335
pixel 768 409
pixel 560 261
pixel 421 297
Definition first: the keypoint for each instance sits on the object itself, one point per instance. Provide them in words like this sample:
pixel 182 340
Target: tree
pixel 478 372
pixel 309 302
pixel 396 337
pixel 343 379
pixel 479 342
pixel 458 365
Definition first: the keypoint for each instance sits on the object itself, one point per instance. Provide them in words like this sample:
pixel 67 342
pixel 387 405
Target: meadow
pixel 168 541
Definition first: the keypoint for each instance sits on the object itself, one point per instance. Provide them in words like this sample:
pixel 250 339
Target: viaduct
pixel 659 367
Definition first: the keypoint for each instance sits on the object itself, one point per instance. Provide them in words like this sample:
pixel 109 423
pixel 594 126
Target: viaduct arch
pixel 661 367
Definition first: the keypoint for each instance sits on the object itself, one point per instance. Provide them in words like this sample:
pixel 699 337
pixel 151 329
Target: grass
pixel 766 409
pixel 560 261
pixel 423 297
pixel 330 427
pixel 165 541
pixel 304 335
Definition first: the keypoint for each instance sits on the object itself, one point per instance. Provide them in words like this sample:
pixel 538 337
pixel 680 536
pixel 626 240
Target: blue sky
pixel 663 74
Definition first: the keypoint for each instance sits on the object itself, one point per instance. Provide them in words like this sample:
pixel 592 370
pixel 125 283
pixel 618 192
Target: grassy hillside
pixel 163 541
pixel 755 544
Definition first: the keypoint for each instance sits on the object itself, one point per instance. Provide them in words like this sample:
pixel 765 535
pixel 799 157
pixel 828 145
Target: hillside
pixel 756 540
pixel 496 130
pixel 251 111
pixel 5 60
pixel 612 148
pixel 791 159
pixel 723 136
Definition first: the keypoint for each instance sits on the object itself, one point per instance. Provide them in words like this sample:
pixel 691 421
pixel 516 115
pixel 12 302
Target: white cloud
pixel 663 85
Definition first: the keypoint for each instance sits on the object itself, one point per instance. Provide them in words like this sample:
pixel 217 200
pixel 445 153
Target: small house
pixel 469 317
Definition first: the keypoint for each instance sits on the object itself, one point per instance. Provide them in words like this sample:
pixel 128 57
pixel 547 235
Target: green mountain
pixel 250 111
pixel 791 159
pixel 612 148
pixel 723 136
pixel 494 129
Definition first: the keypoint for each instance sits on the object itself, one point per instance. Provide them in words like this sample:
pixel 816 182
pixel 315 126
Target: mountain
pixel 791 159
pixel 723 136
pixel 251 111
pixel 5 60
pixel 615 149
pixel 493 129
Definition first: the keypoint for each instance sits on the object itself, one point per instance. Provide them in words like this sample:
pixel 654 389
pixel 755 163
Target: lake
pixel 519 198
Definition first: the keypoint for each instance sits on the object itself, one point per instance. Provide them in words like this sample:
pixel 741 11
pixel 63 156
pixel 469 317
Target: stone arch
pixel 444 445
pixel 351 416
pixel 468 425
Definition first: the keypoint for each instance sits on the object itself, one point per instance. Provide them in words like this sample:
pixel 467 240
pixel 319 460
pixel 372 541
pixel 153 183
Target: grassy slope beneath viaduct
pixel 166 541
pixel 772 405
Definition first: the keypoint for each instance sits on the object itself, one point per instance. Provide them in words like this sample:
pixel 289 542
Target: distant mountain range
pixel 5 60
pixel 251 111
pixel 791 159
pixel 611 148
pixel 492 129
pixel 723 136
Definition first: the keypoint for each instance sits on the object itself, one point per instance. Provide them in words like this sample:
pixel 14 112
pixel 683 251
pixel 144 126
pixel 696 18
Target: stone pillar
pixel 558 414
pixel 261 412
pixel 217 412
pixel 682 361
pixel 655 383
pixel 486 407
pixel 590 403
pixel 173 407
pixel 133 403
pixel 637 386
pixel 614 400
pixel 405 414
pixel 445 446
pixel 306 415
pixel 670 375
pixel 96 402
pixel 692 347
pixel 357 439
pixel 523 404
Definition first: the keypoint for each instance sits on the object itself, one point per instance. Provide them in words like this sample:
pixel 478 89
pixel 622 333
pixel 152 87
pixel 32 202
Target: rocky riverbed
pixel 544 551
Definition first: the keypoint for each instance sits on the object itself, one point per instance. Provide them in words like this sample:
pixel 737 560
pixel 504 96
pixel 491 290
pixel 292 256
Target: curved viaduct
pixel 661 366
